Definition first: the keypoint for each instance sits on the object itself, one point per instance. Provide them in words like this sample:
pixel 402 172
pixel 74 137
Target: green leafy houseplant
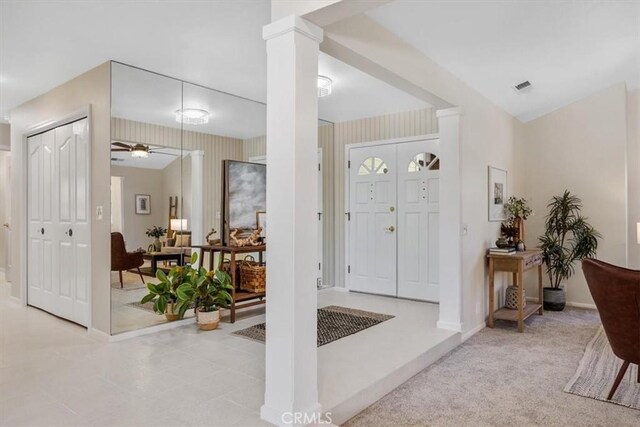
pixel 518 210
pixel 164 294
pixel 206 291
pixel 567 238
pixel 156 232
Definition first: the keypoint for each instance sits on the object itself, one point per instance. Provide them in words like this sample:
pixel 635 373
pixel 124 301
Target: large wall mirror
pixel 169 139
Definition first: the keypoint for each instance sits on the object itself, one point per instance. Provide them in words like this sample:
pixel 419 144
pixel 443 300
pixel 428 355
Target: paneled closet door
pixel 419 220
pixel 59 250
pixel 41 279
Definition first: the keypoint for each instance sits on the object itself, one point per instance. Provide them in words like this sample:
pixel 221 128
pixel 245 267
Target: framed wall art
pixel 497 194
pixel 143 204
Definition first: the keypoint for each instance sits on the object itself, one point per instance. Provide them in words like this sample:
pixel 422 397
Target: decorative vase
pixel 169 314
pixel 208 320
pixel 502 242
pixel 519 223
pixel 555 299
pixel 511 298
pixel 157 244
pixel 520 247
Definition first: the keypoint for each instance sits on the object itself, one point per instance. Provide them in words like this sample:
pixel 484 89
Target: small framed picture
pixel 143 204
pixel 261 221
pixel 497 194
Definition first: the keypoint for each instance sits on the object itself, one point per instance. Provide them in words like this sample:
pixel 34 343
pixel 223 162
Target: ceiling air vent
pixel 521 87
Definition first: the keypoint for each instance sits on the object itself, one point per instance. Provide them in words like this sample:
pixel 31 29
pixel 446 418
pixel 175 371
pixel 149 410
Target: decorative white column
pixel 450 220
pixel 197 198
pixel 292 135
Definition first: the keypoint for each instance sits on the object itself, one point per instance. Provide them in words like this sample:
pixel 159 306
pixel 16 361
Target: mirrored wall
pixel 169 139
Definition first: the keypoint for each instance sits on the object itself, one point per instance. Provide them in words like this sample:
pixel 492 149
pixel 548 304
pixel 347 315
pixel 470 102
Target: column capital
pixel 292 23
pixel 448 112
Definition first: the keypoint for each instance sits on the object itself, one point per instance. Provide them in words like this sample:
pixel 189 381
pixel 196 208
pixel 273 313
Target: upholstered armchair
pixel 123 260
pixel 616 292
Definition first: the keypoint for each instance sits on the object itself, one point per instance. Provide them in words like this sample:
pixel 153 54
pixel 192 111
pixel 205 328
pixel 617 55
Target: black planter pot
pixel 555 299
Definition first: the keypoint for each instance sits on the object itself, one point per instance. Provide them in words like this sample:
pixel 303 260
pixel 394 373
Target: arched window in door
pixel 421 161
pixel 373 165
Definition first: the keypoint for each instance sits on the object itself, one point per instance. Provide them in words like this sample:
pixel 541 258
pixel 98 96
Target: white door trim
pixel 347 148
pixel 42 127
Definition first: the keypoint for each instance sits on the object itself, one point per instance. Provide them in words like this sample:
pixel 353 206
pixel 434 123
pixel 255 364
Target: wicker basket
pixel 253 275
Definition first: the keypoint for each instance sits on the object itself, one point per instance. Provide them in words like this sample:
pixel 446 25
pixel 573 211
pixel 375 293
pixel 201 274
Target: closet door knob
pixel 70 232
pixel 42 230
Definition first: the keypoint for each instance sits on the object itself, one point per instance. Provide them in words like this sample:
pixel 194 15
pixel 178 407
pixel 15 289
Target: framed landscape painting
pixel 497 194
pixel 244 193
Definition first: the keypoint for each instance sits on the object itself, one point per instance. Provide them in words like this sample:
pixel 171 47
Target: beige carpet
pixel 598 367
pixel 502 378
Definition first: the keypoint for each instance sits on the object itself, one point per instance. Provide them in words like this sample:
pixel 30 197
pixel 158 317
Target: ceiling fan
pixel 136 150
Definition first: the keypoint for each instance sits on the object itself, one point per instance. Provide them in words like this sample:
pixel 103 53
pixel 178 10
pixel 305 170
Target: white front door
pixel 418 220
pixel 59 229
pixel 393 220
pixel 372 218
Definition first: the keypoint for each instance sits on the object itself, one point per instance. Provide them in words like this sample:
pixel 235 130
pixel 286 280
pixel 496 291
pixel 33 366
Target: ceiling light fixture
pixel 140 151
pixel 192 116
pixel 324 86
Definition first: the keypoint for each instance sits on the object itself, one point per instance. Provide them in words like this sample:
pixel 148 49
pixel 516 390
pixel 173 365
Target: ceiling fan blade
pixel 160 152
pixel 113 150
pixel 121 144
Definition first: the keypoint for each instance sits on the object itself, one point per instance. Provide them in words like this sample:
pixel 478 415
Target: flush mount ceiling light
pixel 324 86
pixel 140 151
pixel 192 116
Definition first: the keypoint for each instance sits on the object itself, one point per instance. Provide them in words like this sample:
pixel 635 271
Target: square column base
pixel 311 416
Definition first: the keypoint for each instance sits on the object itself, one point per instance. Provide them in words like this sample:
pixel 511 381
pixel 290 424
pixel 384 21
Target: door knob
pixel 70 232
pixel 390 229
pixel 42 230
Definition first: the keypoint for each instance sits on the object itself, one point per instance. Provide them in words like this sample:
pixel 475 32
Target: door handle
pixel 390 229
pixel 69 233
pixel 42 230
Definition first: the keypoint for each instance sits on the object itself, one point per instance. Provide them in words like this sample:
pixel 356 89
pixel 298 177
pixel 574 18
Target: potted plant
pixel 156 232
pixel 164 294
pixel 567 238
pixel 207 291
pixel 518 210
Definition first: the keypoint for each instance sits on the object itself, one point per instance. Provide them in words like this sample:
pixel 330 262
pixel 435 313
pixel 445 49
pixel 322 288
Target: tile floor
pixel 52 373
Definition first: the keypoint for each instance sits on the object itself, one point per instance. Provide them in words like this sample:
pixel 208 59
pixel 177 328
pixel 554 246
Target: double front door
pixel 59 258
pixel 393 220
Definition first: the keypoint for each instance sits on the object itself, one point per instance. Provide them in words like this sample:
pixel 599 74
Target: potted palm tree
pixel 206 291
pixel 567 238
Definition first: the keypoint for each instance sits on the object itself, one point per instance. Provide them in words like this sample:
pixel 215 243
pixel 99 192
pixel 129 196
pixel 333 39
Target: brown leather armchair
pixel 123 260
pixel 616 292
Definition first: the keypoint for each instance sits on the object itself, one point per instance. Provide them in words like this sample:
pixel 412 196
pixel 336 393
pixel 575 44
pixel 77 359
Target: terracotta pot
pixel 169 314
pixel 208 320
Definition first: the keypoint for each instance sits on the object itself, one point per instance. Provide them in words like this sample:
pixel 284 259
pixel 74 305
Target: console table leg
pixel 541 292
pixel 491 292
pixel 232 265
pixel 520 285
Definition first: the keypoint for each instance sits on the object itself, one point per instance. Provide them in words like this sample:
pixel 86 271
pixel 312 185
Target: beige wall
pixel 216 148
pixel 633 162
pixel 582 148
pixel 176 180
pixel 89 89
pixel 140 181
pixel 5 135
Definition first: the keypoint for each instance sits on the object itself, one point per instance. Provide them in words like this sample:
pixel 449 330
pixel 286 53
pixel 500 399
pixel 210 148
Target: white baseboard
pixel 16 300
pixel 450 326
pixel 98 335
pixel 473 331
pixel 333 289
pixel 570 304
pixel 151 329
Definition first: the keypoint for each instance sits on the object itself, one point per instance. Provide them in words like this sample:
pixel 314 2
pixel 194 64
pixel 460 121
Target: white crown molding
pixel 292 23
pixel 447 112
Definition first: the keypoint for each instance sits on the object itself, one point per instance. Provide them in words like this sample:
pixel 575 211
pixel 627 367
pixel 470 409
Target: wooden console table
pixel 247 299
pixel 517 264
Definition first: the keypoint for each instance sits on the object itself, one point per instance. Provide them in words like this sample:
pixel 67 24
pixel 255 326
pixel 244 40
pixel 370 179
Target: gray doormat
pixel 334 322
pixel 597 371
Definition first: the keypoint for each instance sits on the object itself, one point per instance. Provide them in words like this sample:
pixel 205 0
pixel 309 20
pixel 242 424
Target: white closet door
pixel 418 220
pixel 59 251
pixel 372 237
